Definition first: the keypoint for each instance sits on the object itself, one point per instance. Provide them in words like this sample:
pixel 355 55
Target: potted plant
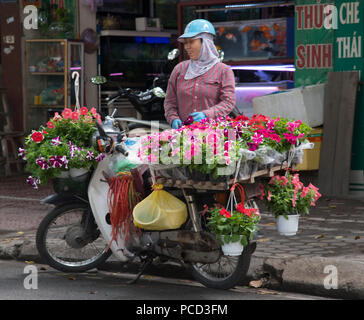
pixel 233 229
pixel 63 144
pixel 287 198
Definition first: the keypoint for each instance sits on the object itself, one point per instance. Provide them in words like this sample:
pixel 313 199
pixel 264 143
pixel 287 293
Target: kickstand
pixel 145 264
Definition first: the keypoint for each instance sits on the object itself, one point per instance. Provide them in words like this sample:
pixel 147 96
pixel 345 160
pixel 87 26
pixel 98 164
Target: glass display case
pixel 49 68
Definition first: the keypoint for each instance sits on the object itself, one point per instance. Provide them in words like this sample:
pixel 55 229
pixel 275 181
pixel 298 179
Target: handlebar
pixel 121 92
pixel 121 149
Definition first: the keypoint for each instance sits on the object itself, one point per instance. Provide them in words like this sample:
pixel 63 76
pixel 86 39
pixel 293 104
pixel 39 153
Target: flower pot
pixel 76 172
pixel 64 175
pixel 287 227
pixel 232 248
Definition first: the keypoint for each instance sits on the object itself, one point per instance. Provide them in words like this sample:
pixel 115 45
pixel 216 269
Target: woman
pixel 202 87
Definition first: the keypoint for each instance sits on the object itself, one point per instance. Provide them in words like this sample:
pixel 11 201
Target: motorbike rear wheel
pixel 228 271
pixel 69 241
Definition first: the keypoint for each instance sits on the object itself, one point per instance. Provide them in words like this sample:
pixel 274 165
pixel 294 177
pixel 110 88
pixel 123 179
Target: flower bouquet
pixel 287 198
pixel 64 143
pixel 214 147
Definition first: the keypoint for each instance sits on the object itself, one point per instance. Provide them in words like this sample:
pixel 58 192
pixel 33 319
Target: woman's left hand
pixel 198 116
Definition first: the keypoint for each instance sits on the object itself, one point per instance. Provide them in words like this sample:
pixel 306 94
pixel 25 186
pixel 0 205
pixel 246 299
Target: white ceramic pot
pixel 287 227
pixel 232 248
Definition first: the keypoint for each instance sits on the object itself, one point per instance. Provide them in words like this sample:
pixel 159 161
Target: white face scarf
pixel 207 59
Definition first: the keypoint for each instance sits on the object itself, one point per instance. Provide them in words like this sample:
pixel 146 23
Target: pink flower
pixel 269 196
pixel 304 192
pixel 75 115
pixel 257 138
pixel 57 117
pixel 50 124
pixel 67 113
pixel 93 111
pixel 84 111
pixel 290 138
pixel 261 189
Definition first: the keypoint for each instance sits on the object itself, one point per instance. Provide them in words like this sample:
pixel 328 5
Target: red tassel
pixel 122 199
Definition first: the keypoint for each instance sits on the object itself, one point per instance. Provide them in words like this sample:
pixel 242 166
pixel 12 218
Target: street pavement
pixel 325 258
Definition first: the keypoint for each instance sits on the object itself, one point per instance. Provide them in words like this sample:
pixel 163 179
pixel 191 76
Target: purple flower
pixel 33 182
pixel 22 153
pixel 252 146
pixel 56 141
pixel 65 162
pixel 90 155
pixel 73 150
pixel 56 161
pixel 42 163
pixel 188 121
pixel 100 157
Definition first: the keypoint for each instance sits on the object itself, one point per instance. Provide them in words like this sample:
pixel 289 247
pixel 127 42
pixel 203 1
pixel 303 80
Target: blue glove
pixel 198 116
pixel 176 123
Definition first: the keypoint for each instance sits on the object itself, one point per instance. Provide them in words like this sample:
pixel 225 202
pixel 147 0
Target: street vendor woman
pixel 201 87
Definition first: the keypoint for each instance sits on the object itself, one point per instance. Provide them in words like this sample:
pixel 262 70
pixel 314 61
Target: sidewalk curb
pixel 301 275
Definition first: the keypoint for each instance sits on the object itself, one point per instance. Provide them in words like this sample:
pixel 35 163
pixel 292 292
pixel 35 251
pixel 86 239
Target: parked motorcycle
pixel 75 235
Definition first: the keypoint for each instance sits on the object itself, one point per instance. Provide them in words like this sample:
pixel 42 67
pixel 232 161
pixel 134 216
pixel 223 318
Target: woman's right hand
pixel 176 124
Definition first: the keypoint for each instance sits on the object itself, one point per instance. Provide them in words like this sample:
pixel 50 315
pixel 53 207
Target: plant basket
pixel 76 185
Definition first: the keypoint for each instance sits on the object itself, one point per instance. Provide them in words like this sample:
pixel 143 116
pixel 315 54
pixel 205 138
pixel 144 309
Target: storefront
pixel 271 47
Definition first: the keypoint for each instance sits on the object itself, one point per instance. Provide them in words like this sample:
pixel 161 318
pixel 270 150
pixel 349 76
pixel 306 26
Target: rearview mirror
pixel 173 54
pixel 159 92
pixel 98 80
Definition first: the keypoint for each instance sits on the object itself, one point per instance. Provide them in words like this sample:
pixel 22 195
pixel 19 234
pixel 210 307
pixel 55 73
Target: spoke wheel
pixel 68 239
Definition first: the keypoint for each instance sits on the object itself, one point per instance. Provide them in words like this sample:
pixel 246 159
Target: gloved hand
pixel 176 123
pixel 198 116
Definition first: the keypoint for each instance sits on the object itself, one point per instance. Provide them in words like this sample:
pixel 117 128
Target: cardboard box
pixel 304 103
pixel 311 157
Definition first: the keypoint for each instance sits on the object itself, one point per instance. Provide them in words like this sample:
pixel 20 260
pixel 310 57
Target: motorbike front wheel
pixel 68 239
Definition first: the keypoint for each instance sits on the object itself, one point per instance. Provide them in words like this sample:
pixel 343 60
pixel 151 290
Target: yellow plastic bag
pixel 160 211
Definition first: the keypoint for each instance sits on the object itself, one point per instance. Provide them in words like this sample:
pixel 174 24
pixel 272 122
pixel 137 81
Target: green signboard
pixel 313 42
pixel 349 47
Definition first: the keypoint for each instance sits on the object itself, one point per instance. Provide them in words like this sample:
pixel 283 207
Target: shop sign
pixel 349 47
pixel 314 39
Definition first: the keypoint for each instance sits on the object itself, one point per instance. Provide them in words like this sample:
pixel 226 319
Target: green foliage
pixel 65 143
pixel 235 227
pixel 288 196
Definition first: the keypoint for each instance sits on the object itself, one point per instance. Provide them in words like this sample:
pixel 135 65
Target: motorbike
pixel 76 235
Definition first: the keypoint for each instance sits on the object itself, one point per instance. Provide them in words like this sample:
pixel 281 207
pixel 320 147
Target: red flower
pixel 240 208
pixel 241 118
pixel 37 137
pixel 225 213
pixel 84 111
